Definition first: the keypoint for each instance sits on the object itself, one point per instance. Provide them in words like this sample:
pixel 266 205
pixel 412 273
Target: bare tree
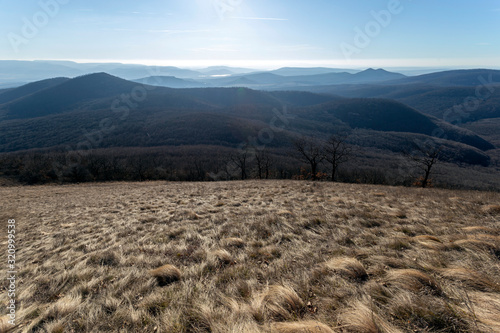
pixel 200 170
pixel 263 160
pixel 425 156
pixel 310 151
pixel 240 161
pixel 337 152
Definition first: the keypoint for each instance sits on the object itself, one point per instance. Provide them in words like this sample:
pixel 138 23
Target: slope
pixel 28 89
pixel 387 115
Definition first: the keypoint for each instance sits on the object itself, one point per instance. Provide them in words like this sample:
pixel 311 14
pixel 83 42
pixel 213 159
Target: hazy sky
pixel 255 33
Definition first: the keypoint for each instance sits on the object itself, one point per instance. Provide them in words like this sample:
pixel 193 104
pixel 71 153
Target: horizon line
pixel 276 64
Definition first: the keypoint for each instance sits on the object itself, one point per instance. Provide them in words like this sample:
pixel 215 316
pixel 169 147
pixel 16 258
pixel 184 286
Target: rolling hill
pixel 390 116
pixel 476 103
pixel 298 71
pixel 169 82
pixel 466 77
pixel 302 77
pixel 199 115
pixel 88 92
pixel 28 89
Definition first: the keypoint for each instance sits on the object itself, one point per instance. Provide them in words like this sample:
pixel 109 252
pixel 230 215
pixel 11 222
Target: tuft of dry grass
pixel 417 313
pixel 106 258
pixel 233 242
pixel 486 309
pixel 470 278
pixel 360 318
pixel 301 327
pixel 5 327
pixel 412 280
pixel 430 242
pixel 347 267
pixel 427 238
pixel 221 258
pixel 492 209
pixel 55 327
pixel 166 274
pixel 475 244
pixel 474 229
pixel 278 303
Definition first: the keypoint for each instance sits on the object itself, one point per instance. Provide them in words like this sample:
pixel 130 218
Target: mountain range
pixel 383 112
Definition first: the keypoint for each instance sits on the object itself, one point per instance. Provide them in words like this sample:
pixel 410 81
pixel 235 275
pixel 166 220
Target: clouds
pixel 162 31
pixel 259 18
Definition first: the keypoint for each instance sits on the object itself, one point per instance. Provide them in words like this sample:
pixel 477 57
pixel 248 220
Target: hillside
pixel 299 71
pixel 28 89
pixel 433 100
pixel 169 82
pixel 99 111
pixel 302 78
pixel 390 116
pixel 487 128
pixel 177 114
pixel 256 256
pixel 468 77
pixel 66 95
pixel 89 92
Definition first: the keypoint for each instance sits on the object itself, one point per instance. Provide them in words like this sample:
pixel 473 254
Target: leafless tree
pixel 263 160
pixel 425 156
pixel 240 161
pixel 337 152
pixel 310 151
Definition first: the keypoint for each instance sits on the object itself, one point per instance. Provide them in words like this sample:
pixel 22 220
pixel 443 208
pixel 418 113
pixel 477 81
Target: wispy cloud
pixel 299 47
pixel 214 49
pixel 144 13
pixel 260 18
pixel 163 31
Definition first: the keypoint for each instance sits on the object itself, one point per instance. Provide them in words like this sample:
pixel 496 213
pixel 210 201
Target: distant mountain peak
pixel 97 75
pixel 378 70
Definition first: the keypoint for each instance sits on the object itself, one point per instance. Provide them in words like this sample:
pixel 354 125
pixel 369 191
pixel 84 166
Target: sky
pixel 255 33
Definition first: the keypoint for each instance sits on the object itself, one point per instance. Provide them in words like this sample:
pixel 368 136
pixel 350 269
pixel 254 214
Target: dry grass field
pixel 273 256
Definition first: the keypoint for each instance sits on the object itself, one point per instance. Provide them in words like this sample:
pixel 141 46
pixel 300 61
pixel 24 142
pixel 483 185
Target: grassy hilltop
pixel 274 256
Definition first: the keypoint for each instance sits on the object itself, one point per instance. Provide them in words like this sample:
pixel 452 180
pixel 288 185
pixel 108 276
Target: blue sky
pixel 255 33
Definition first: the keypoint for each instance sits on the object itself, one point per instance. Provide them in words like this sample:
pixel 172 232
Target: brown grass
pixel 361 318
pixel 166 274
pixel 470 278
pixel 475 229
pixel 430 242
pixel 301 327
pixel 492 209
pixel 233 242
pixel 221 258
pixel 486 309
pixel 347 267
pixel 475 244
pixel 253 257
pixel 278 303
pixel 412 280
pixel 5 326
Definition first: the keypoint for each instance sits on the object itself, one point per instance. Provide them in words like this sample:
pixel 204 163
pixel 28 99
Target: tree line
pixel 333 159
